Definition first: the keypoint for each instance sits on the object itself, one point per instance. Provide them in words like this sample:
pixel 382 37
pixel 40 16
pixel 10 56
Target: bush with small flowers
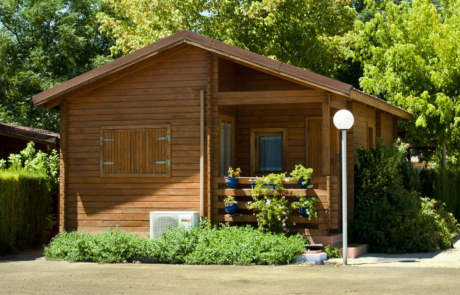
pixel 271 205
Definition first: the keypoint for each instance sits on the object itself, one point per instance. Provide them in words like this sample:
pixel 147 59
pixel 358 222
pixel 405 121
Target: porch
pixel 299 122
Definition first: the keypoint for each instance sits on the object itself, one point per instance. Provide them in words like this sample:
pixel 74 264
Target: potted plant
pixel 233 176
pixel 302 175
pixel 306 206
pixel 231 206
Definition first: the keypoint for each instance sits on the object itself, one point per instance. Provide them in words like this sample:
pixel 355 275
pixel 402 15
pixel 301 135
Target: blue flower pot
pixel 303 180
pixel 232 210
pixel 303 211
pixel 232 182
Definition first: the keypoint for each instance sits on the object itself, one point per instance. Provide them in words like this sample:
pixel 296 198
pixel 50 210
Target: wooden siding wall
pixel 236 77
pixel 364 116
pixel 11 145
pixel 386 129
pixel 291 116
pixel 167 92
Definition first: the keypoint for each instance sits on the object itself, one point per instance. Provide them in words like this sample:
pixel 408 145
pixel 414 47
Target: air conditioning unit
pixel 162 220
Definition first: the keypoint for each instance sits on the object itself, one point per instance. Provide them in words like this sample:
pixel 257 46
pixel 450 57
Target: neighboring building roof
pixel 30 134
pixel 229 51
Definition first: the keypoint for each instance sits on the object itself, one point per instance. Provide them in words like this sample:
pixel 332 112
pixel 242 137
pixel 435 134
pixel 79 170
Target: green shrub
pixel 332 252
pixel 442 185
pixel 25 205
pixel 205 244
pixel 390 216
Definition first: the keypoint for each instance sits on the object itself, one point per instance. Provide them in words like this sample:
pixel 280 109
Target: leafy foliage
pixel 24 209
pixel 201 245
pixel 332 252
pixel 36 162
pixel 308 203
pixel 300 172
pixel 272 206
pixel 444 186
pixel 42 44
pixel 389 217
pixel 294 32
pixel 409 51
pixel 234 173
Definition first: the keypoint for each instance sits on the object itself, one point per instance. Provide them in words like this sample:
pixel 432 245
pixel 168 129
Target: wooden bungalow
pixel 156 130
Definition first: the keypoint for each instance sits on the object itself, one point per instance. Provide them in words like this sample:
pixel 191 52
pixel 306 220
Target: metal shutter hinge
pixel 106 139
pixel 167 138
pixel 167 162
pixel 106 163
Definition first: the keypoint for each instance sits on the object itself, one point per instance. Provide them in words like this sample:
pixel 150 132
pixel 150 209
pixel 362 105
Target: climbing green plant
pixel 271 205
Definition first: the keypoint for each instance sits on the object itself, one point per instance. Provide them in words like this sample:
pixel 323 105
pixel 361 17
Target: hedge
pixel 25 205
pixel 442 185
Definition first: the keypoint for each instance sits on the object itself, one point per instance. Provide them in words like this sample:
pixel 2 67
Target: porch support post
pixel 209 136
pixel 202 172
pixel 326 115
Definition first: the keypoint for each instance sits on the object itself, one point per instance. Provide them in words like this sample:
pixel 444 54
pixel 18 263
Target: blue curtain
pixel 271 153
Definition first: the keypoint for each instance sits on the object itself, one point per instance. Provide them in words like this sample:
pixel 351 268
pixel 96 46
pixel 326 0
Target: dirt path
pixel 31 273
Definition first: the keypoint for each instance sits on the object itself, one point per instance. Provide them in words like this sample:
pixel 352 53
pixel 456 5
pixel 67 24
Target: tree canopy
pixel 295 31
pixel 42 44
pixel 410 55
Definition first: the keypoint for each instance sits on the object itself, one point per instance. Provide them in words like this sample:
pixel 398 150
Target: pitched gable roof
pixel 232 52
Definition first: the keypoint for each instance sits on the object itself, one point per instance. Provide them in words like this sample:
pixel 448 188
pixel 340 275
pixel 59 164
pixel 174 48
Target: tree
pixel 410 55
pixel 294 31
pixel 42 44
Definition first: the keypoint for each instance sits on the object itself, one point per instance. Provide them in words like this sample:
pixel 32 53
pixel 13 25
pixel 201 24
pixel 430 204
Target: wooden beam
pixel 338 102
pixel 209 134
pixel 267 97
pixel 202 172
pixel 380 104
pixel 326 137
pixel 63 167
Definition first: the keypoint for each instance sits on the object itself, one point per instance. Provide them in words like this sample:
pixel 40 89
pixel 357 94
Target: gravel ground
pixel 30 273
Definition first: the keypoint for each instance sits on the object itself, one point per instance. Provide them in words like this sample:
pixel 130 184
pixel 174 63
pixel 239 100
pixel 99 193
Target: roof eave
pixel 380 104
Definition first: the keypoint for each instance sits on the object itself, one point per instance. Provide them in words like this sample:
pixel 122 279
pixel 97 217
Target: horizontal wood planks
pixel 167 92
pixel 327 206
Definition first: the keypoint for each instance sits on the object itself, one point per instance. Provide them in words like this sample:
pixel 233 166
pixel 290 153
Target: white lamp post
pixel 344 120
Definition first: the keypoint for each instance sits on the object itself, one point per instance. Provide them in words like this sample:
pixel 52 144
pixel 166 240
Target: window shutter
pixel 136 151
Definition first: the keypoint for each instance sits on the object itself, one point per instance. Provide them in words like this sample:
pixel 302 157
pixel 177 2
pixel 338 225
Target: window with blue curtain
pixel 271 153
pixel 226 143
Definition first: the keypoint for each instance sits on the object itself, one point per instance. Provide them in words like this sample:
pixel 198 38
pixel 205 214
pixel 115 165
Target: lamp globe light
pixel 343 120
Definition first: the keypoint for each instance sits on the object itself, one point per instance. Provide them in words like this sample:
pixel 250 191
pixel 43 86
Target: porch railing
pixel 325 188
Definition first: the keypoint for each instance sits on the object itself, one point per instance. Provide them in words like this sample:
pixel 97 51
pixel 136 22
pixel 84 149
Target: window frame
pixel 136 127
pixel 255 133
pixel 226 118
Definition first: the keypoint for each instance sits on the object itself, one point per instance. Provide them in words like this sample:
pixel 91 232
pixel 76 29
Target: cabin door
pixel 226 143
pixel 314 146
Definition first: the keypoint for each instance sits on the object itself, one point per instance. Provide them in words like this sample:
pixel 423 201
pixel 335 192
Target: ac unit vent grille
pixel 162 223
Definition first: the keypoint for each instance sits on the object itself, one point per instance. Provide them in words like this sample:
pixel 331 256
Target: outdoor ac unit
pixel 162 220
